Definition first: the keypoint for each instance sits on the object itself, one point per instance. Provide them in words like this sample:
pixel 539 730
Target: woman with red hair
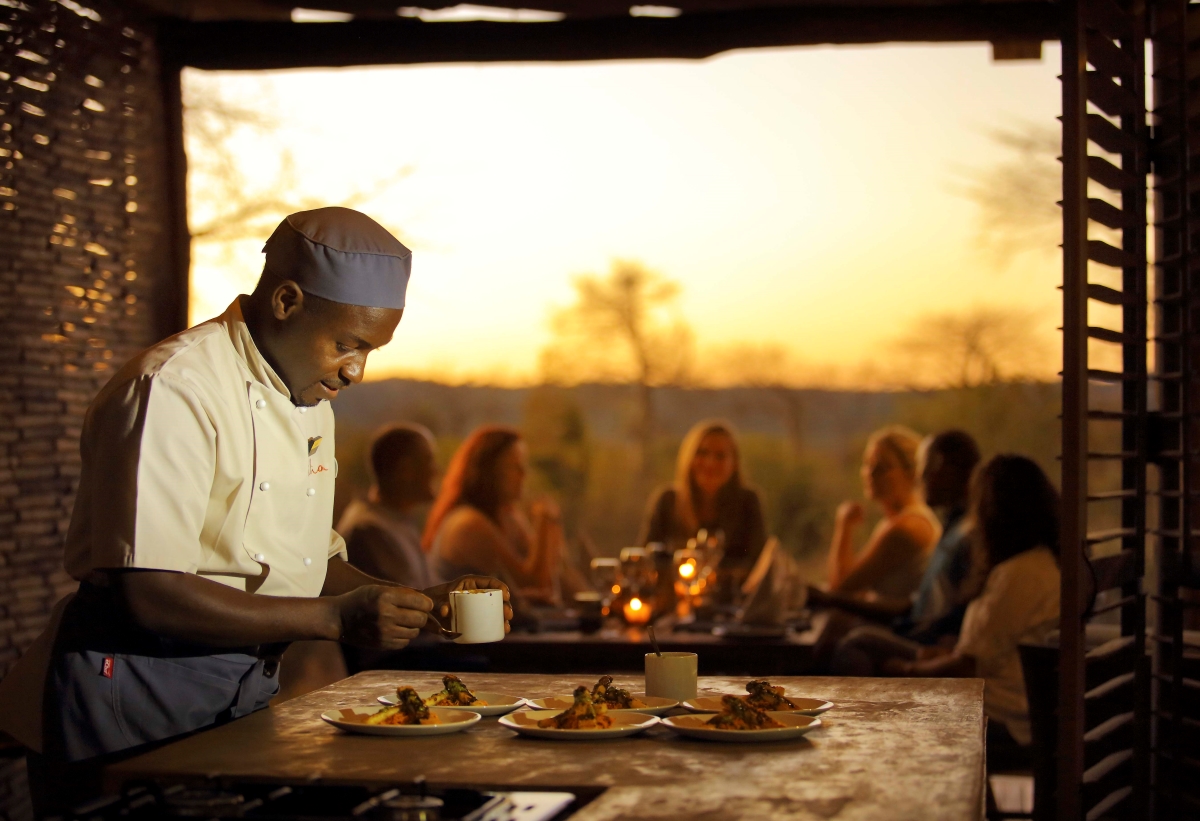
pixel 477 520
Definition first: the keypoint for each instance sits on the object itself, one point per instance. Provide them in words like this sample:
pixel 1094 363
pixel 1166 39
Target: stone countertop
pixel 890 749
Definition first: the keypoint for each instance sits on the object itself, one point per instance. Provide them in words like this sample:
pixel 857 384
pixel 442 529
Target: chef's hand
pixel 382 618
pixel 441 596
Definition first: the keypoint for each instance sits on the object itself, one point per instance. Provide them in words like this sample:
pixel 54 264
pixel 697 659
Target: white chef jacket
pixel 195 460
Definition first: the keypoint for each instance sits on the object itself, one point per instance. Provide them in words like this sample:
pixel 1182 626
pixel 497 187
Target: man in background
pixel 383 531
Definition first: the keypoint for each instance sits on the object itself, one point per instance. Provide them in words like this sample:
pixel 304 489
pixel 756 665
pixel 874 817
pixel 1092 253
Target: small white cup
pixel 478 615
pixel 671 675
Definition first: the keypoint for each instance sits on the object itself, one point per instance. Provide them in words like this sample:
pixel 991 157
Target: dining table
pixel 888 749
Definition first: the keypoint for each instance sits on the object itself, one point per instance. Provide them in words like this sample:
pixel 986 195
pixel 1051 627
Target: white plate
pixel 350 720
pixel 795 725
pixel 804 706
pixel 525 722
pixel 497 703
pixel 655 705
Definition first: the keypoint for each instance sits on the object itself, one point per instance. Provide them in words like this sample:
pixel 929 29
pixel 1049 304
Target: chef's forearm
pixel 190 608
pixel 342 577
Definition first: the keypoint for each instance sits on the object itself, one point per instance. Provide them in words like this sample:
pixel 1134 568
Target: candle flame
pixel 635 604
pixel 687 569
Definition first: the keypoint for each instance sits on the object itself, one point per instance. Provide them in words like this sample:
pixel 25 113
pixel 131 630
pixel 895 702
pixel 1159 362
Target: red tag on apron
pixel 106 669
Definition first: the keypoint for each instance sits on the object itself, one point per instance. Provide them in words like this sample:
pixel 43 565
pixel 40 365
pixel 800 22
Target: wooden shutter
pixel 1103 716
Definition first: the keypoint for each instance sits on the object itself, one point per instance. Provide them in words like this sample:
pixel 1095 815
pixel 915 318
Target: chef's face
pixel 319 346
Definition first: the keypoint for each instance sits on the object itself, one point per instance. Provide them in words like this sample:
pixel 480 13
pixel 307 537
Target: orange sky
pixel 805 197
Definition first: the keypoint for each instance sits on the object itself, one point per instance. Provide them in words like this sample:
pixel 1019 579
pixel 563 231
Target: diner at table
pixel 478 525
pixel 709 494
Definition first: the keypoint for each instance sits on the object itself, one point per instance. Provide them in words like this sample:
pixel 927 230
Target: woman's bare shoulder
pixel 909 529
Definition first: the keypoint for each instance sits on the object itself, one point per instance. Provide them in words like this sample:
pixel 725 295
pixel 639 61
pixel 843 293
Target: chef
pixel 202 536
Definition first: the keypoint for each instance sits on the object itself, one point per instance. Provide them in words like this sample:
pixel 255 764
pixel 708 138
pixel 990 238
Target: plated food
pixel 741 719
pixel 792 725
pixel 454 694
pixel 613 698
pixel 387 721
pixel 409 708
pixel 765 696
pixel 457 696
pixel 742 714
pixel 584 719
pixel 584 714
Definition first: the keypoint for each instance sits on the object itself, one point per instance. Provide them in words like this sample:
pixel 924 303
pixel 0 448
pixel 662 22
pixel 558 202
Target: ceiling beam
pixel 278 45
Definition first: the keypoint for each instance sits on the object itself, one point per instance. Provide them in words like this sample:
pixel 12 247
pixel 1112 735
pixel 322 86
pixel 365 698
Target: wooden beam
pixel 232 45
pixel 179 239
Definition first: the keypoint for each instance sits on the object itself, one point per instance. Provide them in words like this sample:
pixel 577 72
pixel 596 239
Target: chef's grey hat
pixel 340 255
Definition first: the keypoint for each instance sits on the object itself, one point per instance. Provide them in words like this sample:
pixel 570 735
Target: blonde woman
pixel 709 493
pixel 892 563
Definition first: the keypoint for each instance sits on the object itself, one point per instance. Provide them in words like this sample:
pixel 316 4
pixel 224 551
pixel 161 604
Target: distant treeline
pixel 801 448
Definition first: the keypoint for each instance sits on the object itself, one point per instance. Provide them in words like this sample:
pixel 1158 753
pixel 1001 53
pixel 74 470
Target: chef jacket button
pixel 312 491
pixel 260 557
pixel 260 404
pixel 302 409
pixel 307 561
pixel 264 486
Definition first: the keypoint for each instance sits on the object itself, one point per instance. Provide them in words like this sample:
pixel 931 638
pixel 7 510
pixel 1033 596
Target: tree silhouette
pixel 1017 197
pixel 623 327
pixel 982 346
pixel 232 196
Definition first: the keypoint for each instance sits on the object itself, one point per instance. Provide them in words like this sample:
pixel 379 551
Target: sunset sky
pixel 807 197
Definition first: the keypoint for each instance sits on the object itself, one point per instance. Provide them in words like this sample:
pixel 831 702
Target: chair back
pixel 1039 664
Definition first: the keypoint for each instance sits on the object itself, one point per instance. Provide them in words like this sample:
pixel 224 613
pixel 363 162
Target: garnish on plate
pixel 584 714
pixel 614 697
pixel 408 709
pixel 454 694
pixel 766 697
pixel 739 714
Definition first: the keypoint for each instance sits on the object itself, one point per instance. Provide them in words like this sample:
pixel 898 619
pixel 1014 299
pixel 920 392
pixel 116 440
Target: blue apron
pixel 112 685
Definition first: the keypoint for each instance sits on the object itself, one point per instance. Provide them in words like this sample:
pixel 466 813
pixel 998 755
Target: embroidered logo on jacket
pixel 313 444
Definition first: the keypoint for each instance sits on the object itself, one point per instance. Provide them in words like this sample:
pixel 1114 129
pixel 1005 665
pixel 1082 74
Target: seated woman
pixel 477 522
pixel 709 493
pixel 383 532
pixel 1015 510
pixel 891 565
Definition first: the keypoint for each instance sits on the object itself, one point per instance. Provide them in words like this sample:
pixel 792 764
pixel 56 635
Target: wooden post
pixel 1074 410
pixel 179 237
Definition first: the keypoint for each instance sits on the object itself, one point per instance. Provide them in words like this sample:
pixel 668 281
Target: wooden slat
pixel 1109 660
pixel 1106 254
pixel 1111 416
pixel 1108 136
pixel 1100 536
pixel 1108 335
pixel 1109 97
pixel 1099 375
pixel 1116 570
pixel 1109 296
pixel 1107 56
pixel 1109 495
pixel 1107 214
pixel 1108 175
pixel 1111 699
pixel 1113 736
